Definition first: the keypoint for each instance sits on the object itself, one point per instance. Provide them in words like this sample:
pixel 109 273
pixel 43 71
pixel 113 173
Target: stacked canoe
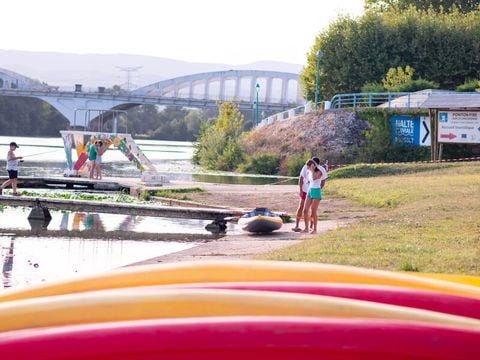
pixel 238 309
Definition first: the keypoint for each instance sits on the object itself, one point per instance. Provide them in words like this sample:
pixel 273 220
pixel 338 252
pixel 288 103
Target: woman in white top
pixel 303 189
pixel 317 177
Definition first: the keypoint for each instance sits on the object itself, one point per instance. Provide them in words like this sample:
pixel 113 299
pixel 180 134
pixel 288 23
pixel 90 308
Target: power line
pixel 129 70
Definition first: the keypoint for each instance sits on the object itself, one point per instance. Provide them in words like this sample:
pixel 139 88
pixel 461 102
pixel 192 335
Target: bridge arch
pixel 275 86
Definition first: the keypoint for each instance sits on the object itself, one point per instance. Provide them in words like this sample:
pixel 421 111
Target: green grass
pixel 372 170
pixel 426 220
pixel 177 194
pixel 69 195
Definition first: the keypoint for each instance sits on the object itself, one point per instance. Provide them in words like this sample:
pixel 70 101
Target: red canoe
pixel 232 338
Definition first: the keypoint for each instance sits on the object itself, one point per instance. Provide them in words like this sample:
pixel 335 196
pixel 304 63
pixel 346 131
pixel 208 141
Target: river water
pixel 46 157
pixel 29 258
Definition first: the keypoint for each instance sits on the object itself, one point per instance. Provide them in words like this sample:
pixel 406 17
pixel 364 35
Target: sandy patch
pixel 242 245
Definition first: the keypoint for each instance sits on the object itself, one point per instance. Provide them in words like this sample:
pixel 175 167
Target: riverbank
pixel 333 213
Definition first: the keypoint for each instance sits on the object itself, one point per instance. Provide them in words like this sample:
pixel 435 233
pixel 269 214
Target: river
pixel 46 157
pixel 30 258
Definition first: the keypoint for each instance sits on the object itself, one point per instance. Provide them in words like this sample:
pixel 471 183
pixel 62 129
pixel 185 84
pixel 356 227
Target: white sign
pixel 459 127
pixel 425 138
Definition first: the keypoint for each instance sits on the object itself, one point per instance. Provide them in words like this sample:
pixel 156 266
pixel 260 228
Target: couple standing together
pixel 95 152
pixel 311 181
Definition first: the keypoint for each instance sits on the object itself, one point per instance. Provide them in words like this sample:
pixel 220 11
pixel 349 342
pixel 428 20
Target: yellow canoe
pixel 462 279
pixel 152 303
pixel 241 270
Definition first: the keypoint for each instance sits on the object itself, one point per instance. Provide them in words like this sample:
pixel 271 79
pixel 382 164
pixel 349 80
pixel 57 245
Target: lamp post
pixel 319 56
pixel 257 88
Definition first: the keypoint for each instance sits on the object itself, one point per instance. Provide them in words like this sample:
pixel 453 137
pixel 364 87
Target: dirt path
pixel 237 244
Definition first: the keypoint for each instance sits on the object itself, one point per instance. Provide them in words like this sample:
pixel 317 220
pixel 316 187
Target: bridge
pixel 277 91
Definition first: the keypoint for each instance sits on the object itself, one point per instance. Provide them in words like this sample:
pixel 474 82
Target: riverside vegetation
pixel 426 220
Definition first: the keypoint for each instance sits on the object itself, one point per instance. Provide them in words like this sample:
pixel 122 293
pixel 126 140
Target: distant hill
pixel 93 70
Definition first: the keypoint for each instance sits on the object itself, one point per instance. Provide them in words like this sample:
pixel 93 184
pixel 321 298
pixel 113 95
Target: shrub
pixel 397 76
pixel 415 85
pixel 378 141
pixel 472 85
pixel 218 146
pixel 372 88
pixel 266 164
pixel 295 162
pixel 231 156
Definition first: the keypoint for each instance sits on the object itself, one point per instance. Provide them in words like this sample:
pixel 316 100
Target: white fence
pixel 291 113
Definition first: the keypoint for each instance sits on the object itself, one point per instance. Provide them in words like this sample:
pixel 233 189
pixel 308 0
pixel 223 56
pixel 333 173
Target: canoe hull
pixel 280 338
pixel 261 224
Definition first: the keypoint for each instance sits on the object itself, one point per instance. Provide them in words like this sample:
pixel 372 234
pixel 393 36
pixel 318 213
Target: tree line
pixel 21 116
pixel 29 117
pixel 439 40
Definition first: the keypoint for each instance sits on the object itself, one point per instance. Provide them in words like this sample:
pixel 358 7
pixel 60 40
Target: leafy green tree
pixel 218 146
pixel 415 85
pixel 397 76
pixel 266 163
pixel 399 80
pixel 441 47
pixel 373 87
pixel 169 123
pixel 30 117
pixel 463 6
pixel 472 85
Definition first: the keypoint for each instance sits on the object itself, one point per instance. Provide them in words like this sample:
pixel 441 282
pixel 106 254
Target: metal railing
pixel 388 100
pixel 404 100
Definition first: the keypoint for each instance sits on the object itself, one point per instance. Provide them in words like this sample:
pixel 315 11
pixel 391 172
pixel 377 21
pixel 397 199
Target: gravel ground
pixel 242 245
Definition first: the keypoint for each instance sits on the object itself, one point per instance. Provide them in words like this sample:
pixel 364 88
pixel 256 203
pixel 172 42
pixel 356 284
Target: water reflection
pixel 98 225
pixel 77 243
pixel 38 225
pixel 8 265
pixel 46 157
pixel 31 260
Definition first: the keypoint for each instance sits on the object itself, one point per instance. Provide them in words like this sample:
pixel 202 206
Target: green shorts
pixel 314 193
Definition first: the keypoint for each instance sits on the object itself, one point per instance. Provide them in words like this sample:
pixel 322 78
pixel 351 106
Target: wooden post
pixel 434 138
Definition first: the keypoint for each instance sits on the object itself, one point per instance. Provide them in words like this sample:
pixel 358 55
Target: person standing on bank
pixel 12 169
pixel 303 183
pixel 317 176
pixel 302 195
pixel 98 160
pixel 92 158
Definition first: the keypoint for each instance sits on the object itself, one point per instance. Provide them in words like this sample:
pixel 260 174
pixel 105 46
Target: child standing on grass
pixel 12 169
pixel 317 176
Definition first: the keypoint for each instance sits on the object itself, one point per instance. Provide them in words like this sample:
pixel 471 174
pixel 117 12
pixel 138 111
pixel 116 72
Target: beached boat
pixel 260 220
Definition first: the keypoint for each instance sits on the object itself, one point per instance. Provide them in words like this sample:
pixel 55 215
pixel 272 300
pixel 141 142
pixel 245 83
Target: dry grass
pixel 428 221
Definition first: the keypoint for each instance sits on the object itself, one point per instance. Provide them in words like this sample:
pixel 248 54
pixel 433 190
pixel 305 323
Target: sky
pixel 207 31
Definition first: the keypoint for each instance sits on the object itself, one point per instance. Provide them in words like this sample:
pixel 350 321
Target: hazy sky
pixel 214 31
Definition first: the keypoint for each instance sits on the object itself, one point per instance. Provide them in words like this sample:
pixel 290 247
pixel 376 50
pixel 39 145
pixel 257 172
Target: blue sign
pixel 406 129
